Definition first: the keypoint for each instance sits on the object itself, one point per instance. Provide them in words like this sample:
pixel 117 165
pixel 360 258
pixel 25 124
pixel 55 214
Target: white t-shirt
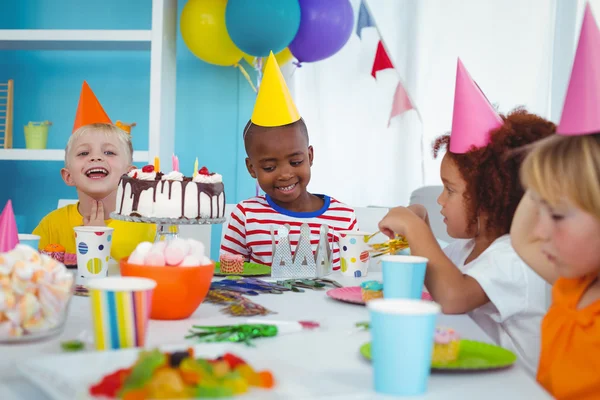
pixel 517 296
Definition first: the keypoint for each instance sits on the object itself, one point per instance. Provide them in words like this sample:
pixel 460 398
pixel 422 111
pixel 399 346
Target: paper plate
pixel 473 356
pixel 250 269
pixel 352 294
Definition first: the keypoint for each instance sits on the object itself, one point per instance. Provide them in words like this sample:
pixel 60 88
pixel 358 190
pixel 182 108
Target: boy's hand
pixel 96 217
pixel 397 222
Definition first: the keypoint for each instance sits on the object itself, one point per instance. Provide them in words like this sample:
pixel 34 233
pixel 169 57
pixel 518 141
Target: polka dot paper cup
pixel 354 253
pixel 93 245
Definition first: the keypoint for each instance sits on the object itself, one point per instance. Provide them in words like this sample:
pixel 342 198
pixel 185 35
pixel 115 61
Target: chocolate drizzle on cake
pixel 138 186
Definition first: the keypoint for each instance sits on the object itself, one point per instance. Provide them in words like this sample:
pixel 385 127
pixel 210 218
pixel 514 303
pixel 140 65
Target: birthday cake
pixel 152 194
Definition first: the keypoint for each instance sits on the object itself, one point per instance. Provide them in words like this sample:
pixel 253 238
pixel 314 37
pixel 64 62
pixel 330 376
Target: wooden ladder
pixel 6 114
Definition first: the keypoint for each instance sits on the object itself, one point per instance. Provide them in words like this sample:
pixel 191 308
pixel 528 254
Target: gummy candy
pixel 178 375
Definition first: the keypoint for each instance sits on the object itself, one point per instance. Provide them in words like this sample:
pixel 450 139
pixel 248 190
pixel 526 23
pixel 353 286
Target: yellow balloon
pixel 283 57
pixel 204 32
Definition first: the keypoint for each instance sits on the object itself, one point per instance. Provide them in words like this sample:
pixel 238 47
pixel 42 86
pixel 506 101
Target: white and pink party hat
pixel 581 110
pixel 9 236
pixel 474 117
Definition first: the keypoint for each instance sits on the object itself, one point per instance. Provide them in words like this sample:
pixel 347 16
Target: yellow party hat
pixel 274 105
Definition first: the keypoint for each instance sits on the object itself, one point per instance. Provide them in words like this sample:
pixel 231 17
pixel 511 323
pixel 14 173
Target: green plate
pixel 473 356
pixel 250 269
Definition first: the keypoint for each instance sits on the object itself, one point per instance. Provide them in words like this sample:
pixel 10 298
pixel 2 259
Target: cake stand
pixel 167 228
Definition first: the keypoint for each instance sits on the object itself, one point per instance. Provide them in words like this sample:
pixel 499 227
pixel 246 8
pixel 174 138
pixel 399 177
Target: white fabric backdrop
pixel 509 46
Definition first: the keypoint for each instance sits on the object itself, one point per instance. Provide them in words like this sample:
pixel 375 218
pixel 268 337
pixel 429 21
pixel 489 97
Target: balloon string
pixel 243 71
pixel 258 66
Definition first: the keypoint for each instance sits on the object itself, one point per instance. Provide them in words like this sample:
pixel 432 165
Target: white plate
pixel 68 376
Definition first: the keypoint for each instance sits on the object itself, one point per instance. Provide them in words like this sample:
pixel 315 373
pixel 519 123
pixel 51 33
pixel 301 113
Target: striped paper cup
pixel 120 311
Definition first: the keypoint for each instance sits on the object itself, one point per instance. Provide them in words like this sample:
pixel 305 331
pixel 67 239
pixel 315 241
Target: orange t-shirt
pixel 570 360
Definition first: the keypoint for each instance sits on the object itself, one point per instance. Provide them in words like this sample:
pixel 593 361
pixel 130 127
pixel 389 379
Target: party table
pixel 324 363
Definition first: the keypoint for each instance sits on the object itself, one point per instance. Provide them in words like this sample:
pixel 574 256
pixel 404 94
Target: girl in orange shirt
pixel 556 230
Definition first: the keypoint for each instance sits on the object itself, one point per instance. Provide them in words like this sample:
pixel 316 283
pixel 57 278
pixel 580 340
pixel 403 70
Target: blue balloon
pixel 258 27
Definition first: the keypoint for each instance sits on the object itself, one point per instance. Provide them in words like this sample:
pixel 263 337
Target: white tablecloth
pixel 330 353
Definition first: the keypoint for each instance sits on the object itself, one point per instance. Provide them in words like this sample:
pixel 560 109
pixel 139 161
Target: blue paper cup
pixel 402 341
pixel 403 276
pixel 29 240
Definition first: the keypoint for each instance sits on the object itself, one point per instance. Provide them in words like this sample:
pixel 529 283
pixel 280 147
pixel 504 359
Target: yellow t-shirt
pixel 57 228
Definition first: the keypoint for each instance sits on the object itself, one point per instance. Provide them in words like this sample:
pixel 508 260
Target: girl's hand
pixel 398 222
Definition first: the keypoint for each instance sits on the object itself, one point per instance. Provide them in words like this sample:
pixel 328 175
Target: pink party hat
pixel 474 117
pixel 9 236
pixel 581 111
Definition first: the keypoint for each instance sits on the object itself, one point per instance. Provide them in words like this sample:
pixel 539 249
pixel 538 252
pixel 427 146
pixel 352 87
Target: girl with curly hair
pixel 480 273
pixel 556 230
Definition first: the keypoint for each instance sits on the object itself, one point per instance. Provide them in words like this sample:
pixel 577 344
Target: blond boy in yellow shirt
pixel 96 157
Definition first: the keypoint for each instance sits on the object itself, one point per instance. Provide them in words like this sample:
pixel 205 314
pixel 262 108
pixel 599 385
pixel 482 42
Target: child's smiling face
pixel 95 163
pixel 280 159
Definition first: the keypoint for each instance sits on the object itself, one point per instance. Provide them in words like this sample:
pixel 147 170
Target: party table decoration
pixel 303 263
pixel 73 345
pixel 245 333
pixel 236 304
pixel 390 247
pixel 253 286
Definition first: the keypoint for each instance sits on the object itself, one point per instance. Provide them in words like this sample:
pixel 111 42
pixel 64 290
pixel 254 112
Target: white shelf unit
pixel 75 39
pixel 160 41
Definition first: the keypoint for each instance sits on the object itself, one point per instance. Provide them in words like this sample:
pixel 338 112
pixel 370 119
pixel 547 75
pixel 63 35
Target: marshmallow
pixel 159 247
pixel 139 254
pixel 26 307
pixel 28 254
pixel 34 291
pixel 22 278
pixel 9 329
pixel 136 258
pixel 37 323
pixel 7 300
pixel 206 261
pixel 196 247
pixel 191 261
pixel 7 261
pixel 176 250
pixel 154 258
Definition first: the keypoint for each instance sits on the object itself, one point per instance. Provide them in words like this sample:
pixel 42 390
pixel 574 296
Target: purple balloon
pixel 325 27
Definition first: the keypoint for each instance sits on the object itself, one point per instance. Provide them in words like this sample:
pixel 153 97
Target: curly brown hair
pixel 491 173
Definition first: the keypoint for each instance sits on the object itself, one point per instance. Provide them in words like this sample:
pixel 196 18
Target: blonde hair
pixel 108 129
pixel 566 167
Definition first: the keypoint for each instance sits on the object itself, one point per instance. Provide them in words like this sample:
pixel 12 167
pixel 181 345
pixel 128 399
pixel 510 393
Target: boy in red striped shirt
pixel 280 157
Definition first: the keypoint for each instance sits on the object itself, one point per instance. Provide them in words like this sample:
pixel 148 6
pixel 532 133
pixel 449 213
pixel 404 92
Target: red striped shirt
pixel 249 229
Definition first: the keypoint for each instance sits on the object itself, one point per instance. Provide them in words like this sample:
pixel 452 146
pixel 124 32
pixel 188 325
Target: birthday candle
pixel 175 163
pixel 195 167
pixel 156 164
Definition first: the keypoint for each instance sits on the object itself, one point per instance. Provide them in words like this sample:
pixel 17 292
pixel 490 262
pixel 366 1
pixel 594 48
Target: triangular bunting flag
pixel 401 103
pixel 382 60
pixel 364 19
